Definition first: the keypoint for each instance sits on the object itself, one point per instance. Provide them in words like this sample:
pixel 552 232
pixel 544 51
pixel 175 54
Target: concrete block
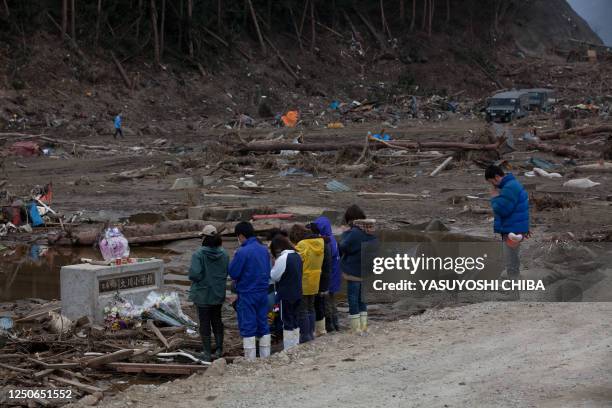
pixel 183 184
pixel 208 180
pixel 86 289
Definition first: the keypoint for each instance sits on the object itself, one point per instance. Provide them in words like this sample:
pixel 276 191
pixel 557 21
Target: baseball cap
pixel 209 231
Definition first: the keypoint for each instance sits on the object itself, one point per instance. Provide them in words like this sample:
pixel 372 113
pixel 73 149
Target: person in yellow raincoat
pixel 311 248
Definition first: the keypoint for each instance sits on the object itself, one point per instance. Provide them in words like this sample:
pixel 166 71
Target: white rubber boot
pixel 250 352
pixel 264 346
pixel 296 337
pixel 287 339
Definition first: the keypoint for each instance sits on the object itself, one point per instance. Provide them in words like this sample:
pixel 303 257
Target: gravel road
pixel 484 355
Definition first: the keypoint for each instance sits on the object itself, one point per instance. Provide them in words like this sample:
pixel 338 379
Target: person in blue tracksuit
pixel 287 276
pixel 117 122
pixel 250 269
pixel 335 278
pixel 510 203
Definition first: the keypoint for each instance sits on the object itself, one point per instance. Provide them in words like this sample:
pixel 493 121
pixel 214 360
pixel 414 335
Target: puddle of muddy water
pixel 34 271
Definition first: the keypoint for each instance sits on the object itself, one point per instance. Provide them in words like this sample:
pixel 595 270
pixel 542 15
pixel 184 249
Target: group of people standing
pixel 302 270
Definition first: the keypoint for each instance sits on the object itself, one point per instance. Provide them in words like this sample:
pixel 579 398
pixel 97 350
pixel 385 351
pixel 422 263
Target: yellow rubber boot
pixel 363 322
pixel 355 324
pixel 320 328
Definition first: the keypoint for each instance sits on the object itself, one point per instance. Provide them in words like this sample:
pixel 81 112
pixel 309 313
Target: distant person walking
pixel 510 203
pixel 118 130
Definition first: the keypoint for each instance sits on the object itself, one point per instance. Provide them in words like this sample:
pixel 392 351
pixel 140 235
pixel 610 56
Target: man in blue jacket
pixel 250 269
pixel 510 203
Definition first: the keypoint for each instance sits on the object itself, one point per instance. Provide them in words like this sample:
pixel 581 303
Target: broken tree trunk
pixel 271 146
pixel 282 60
pixel 376 34
pixel 124 75
pixel 564 150
pixel 70 143
pixel 155 33
pixel 313 30
pixel 259 35
pixel 401 196
pixel 583 131
pixel 295 27
pixel 603 167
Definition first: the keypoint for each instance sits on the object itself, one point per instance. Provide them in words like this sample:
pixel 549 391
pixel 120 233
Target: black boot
pixel 205 354
pixel 329 324
pixel 219 344
pixel 335 322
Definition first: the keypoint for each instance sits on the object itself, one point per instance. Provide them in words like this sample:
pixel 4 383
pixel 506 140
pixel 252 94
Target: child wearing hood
pixel 331 283
pixel 208 276
pixel 311 248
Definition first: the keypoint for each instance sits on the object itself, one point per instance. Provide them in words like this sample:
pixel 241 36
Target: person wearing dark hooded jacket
pixel 335 277
pixel 321 297
pixel 350 245
pixel 208 274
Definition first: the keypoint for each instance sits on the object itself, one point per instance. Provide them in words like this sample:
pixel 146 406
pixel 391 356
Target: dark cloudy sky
pixel 598 13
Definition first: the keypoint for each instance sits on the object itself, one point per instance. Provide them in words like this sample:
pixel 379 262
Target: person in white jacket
pixel 287 276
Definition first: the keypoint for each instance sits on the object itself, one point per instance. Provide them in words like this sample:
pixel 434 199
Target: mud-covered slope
pixel 541 25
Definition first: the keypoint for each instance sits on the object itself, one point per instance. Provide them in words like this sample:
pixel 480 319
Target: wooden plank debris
pixel 441 167
pixel 108 358
pixel 151 326
pixel 77 384
pixel 177 369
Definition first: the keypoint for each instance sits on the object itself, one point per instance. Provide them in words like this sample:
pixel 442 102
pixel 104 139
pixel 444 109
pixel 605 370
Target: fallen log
pixel 581 131
pixel 15 369
pixel 121 70
pixel 177 236
pixel 604 167
pixel 272 146
pixel 165 231
pixel 68 142
pixel 564 150
pixel 401 196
